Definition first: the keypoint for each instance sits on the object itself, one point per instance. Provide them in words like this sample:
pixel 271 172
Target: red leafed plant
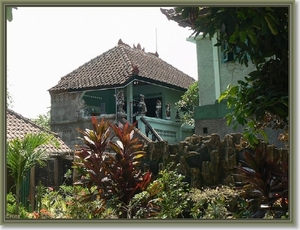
pixel 266 182
pixel 123 166
pixel 110 161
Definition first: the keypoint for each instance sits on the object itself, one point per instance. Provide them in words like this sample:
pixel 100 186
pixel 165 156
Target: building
pixel 125 82
pixel 216 70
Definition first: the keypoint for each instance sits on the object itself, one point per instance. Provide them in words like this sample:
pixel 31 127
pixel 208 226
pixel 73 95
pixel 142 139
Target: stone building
pixel 124 81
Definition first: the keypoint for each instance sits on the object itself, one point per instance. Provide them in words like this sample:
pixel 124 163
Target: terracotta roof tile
pixel 120 65
pixel 19 126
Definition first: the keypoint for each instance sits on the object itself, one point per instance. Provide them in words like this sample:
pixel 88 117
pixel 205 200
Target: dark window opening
pixel 227 54
pixel 205 130
pixel 151 106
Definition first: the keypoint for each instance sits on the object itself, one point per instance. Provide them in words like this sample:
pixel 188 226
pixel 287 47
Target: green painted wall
pixel 96 98
pixel 214 111
pixel 172 97
pixel 149 91
pixel 229 72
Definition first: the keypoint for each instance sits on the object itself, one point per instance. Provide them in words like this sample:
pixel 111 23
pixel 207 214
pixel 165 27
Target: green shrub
pixel 166 197
pixel 218 203
pixel 11 209
pixel 65 203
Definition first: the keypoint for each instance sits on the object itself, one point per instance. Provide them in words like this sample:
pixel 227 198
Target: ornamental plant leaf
pixel 265 178
pixel 110 158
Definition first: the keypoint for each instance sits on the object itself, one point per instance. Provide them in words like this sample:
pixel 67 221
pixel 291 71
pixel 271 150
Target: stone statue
pixel 158 109
pixel 142 105
pixel 120 101
pixel 168 111
pixel 82 108
pixel 81 104
pixel 177 117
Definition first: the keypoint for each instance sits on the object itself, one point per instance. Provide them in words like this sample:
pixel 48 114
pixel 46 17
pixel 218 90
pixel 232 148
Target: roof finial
pixel 120 42
pixel 135 70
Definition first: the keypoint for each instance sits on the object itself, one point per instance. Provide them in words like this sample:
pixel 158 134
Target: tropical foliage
pixel 186 105
pixel 43 120
pixel 166 197
pixel 266 182
pixel 218 203
pixel 111 184
pixel 112 165
pixel 23 154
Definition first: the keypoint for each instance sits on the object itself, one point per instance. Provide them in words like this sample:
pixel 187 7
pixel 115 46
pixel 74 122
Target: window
pixel 227 56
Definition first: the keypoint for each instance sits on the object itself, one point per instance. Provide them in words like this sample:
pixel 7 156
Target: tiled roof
pixel 120 65
pixel 19 126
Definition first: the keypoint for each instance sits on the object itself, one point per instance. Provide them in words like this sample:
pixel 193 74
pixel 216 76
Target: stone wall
pixel 219 126
pixel 204 160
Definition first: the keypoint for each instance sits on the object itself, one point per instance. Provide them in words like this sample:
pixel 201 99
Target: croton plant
pixel 265 182
pixel 109 160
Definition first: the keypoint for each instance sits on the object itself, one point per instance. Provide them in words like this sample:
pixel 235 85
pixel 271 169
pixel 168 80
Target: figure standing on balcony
pixel 158 109
pixel 82 108
pixel 120 101
pixel 142 105
pixel 168 111
pixel 177 117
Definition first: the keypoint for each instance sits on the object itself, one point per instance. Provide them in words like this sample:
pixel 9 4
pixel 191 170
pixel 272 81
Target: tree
pixel 9 100
pixel 23 154
pixel 259 35
pixel 43 120
pixel 189 100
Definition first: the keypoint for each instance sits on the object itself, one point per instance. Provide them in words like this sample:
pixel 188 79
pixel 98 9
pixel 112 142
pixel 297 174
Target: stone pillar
pixel 129 106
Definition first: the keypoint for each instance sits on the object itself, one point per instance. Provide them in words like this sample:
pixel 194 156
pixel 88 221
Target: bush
pixel 65 203
pixel 218 203
pixel 265 181
pixel 166 197
pixel 11 210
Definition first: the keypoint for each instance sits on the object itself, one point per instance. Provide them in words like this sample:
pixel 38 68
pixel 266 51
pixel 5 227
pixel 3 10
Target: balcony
pixel 170 131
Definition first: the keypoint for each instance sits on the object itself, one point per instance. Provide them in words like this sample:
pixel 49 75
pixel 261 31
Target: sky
pixel 46 43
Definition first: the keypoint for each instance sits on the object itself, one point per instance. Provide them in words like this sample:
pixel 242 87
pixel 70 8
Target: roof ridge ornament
pixel 155 54
pixel 139 47
pixel 135 70
pixel 120 42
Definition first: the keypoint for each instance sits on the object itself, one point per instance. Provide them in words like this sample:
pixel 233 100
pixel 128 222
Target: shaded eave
pixel 126 83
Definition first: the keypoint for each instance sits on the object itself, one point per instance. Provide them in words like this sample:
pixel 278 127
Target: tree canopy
pixel 43 120
pixel 258 35
pixel 189 100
